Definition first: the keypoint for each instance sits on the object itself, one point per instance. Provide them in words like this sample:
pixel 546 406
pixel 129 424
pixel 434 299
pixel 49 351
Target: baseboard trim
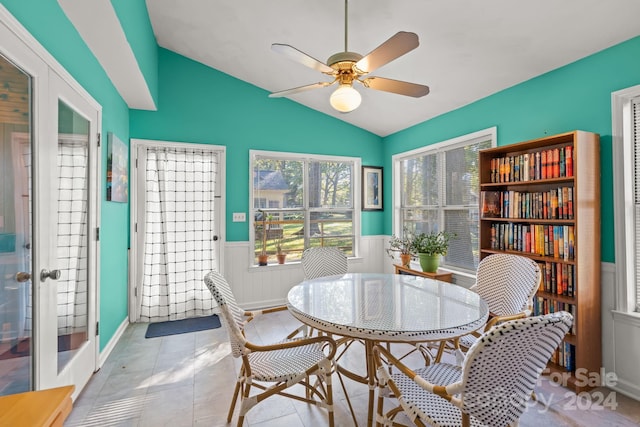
pixel 628 389
pixel 104 354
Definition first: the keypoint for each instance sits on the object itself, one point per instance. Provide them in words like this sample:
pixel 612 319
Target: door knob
pixel 46 274
pixel 22 277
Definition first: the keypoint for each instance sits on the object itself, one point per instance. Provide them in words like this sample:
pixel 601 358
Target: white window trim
pixel 488 133
pixel 357 167
pixel 621 128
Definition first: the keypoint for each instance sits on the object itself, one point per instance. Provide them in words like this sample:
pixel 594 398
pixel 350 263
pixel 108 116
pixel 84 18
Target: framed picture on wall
pixel 117 170
pixel 371 188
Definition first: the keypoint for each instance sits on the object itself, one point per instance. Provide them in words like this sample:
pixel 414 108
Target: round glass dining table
pixel 386 308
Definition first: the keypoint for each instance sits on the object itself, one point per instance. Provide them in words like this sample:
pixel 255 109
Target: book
pixel 556 162
pixel 568 159
pixel 490 204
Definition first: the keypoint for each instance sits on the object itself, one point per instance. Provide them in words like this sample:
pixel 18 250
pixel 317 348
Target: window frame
pixel 623 195
pixel 306 158
pixel 437 147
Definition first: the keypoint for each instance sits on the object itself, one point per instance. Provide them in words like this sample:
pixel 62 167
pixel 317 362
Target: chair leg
pixel 466 422
pixel 380 410
pixel 234 399
pixel 245 396
pixel 329 398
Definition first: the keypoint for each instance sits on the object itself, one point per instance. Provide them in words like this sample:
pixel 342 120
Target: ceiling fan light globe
pixel 345 99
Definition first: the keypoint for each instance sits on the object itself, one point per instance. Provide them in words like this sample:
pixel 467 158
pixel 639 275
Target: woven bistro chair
pixel 320 262
pixel 323 261
pixel 492 386
pixel 508 283
pixel 276 367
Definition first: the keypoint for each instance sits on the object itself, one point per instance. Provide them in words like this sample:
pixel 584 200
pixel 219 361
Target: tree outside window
pixel 302 202
pixel 438 191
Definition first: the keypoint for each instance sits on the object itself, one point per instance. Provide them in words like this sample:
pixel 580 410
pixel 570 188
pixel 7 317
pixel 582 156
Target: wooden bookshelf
pixel 552 216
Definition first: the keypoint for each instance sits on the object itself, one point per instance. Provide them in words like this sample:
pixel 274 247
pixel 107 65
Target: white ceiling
pixel 469 49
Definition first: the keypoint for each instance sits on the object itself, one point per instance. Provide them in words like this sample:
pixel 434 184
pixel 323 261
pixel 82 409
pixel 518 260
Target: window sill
pixel 629 317
pixel 293 264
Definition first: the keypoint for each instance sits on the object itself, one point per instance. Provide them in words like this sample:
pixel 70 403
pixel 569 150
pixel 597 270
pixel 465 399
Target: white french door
pixel 68 215
pixel 49 218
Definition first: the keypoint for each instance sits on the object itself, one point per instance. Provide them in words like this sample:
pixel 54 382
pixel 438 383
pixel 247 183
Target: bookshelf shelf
pixel 485 252
pixel 559 180
pixel 541 199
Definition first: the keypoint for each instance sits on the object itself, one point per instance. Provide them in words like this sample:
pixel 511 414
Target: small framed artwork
pixel 371 188
pixel 117 170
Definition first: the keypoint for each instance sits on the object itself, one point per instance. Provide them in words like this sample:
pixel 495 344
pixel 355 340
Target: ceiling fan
pixel 349 67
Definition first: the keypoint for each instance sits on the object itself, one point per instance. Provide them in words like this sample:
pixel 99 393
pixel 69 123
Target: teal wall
pixel 201 105
pixel 577 96
pixel 135 22
pixel 46 21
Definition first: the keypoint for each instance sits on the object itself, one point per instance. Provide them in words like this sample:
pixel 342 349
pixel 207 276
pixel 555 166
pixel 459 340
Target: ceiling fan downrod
pixel 346 26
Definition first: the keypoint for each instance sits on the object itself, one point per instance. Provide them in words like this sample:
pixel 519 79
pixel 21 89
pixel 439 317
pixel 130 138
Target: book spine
pixel 568 159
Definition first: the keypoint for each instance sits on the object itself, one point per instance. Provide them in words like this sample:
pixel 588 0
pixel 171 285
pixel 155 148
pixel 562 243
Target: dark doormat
pixel 174 327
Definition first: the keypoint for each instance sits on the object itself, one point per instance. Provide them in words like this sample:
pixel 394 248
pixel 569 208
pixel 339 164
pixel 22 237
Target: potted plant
pixel 430 247
pixel 280 254
pixel 263 258
pixel 402 244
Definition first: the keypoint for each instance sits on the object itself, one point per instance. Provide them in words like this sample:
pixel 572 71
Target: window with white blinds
pixel 438 190
pixel 635 134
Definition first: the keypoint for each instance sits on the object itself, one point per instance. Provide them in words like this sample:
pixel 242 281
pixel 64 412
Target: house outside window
pixel 436 189
pixel 303 201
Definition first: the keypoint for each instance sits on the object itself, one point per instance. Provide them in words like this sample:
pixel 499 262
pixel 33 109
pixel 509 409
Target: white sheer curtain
pixel 178 233
pixel 72 233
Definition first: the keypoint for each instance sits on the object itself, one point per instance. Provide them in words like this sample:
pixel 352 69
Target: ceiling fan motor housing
pixel 344 64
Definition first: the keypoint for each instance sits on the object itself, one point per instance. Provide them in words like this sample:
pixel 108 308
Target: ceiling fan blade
pixel 299 89
pixel 399 44
pixel 298 56
pixel 396 86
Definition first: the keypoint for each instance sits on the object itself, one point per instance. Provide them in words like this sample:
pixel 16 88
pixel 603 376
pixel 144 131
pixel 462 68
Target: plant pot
pixel 263 259
pixel 429 263
pixel 406 259
pixel 281 258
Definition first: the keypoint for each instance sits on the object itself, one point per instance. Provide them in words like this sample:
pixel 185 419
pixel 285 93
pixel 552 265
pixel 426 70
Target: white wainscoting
pixel 620 338
pixel 259 287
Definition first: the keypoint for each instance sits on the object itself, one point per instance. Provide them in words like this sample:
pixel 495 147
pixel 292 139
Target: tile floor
pixel 187 380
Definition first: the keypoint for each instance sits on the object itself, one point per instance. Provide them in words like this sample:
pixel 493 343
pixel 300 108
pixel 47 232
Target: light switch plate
pixel 239 217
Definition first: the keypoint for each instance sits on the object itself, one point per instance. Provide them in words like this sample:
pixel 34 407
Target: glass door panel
pixel 16 325
pixel 72 232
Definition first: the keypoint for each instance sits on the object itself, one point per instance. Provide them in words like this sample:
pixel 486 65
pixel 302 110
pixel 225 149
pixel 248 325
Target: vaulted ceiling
pixel 469 49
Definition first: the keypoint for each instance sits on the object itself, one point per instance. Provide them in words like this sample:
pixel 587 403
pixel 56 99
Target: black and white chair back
pixel 508 283
pixel 323 261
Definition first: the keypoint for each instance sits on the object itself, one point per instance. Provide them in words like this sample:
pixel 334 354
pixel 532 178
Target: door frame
pixel 136 207
pixel 32 57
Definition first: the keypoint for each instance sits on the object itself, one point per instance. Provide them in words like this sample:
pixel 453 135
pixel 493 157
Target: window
pixel 303 201
pixel 436 188
pixel 626 146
